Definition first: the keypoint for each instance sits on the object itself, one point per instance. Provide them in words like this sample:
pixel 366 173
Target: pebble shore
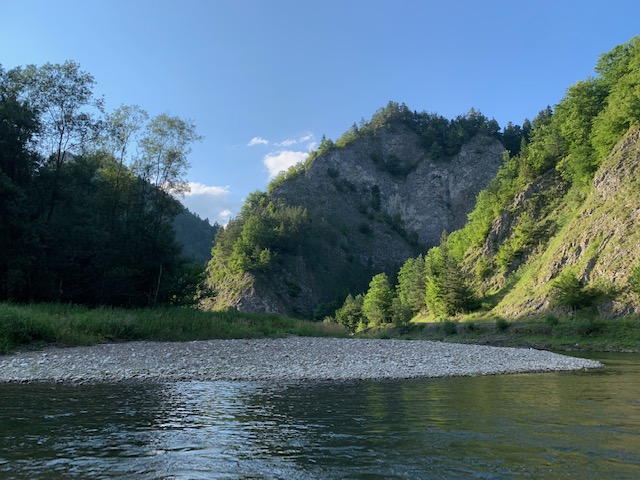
pixel 283 359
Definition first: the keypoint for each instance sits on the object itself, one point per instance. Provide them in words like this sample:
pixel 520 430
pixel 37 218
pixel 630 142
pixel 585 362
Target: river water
pixel 583 425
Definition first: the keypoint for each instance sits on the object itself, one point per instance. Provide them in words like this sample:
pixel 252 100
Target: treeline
pixel 566 145
pixel 83 219
pixel 442 138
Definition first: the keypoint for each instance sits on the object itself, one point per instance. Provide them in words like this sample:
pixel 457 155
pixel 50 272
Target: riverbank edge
pixel 296 359
pixel 620 335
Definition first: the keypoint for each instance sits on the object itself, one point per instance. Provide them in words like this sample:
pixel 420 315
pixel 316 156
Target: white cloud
pixel 210 201
pixel 196 188
pixel 292 141
pixel 257 141
pixel 286 143
pixel 277 162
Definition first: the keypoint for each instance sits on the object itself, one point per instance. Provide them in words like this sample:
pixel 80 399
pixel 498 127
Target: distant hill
pixel 194 235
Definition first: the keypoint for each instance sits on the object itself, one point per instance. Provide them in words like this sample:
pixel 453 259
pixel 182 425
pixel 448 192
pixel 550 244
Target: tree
pixel 411 284
pixel 62 97
pixel 17 126
pixel 165 145
pixel 447 289
pixel 350 314
pixel 376 305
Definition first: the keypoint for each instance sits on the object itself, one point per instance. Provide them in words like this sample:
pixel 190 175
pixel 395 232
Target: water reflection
pixel 569 425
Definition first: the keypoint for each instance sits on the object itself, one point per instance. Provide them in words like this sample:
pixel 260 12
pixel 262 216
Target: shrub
pixel 634 280
pixel 586 326
pixel 449 327
pixel 470 327
pixel 551 320
pixel 502 324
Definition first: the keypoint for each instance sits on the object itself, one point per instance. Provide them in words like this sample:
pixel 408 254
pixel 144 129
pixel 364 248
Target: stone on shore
pixel 282 359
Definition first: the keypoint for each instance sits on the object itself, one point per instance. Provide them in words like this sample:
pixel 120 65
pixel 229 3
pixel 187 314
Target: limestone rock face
pixel 378 201
pixel 430 197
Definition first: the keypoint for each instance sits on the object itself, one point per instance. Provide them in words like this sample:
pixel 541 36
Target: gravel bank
pixel 284 359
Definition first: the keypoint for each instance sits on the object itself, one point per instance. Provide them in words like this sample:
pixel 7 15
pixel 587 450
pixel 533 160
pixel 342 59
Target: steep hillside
pixel 557 231
pixel 600 244
pixel 381 194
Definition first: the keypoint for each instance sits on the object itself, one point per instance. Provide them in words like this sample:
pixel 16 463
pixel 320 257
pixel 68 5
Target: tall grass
pixel 581 331
pixel 68 325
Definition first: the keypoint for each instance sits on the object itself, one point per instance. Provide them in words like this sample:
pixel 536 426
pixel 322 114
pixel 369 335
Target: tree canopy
pixel 81 221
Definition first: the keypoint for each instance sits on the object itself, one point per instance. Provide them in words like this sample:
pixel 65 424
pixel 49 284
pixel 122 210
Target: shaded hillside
pixel 194 235
pixel 381 194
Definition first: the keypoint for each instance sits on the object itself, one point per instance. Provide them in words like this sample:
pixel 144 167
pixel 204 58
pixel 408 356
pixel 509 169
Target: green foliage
pixel 401 313
pixel 411 284
pixel 522 238
pixel 573 138
pixel 377 302
pixel 446 285
pixel 350 314
pixel 586 325
pixel 77 224
pixel 441 137
pixel 67 325
pixel 502 324
pixel 449 327
pixel 551 320
pixel 634 280
pixel 265 229
pixel 570 291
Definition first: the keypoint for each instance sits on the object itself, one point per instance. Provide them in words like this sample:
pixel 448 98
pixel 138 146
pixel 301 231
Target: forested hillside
pixel 381 193
pixel 556 231
pixel 82 219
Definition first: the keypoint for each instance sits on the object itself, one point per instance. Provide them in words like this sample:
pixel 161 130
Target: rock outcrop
pixel 374 203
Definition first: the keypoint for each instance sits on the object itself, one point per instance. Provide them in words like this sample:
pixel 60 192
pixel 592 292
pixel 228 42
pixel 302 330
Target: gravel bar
pixel 283 359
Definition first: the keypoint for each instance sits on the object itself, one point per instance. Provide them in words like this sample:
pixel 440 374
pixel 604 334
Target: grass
pixel 36 326
pixel 579 332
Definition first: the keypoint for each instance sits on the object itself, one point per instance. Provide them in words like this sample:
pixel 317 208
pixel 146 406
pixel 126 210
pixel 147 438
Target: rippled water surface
pixel 568 425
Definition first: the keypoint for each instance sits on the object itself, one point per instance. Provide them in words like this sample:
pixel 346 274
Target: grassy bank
pixel 572 333
pixel 34 326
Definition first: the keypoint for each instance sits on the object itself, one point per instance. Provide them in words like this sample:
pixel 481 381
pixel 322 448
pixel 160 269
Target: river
pixel 583 425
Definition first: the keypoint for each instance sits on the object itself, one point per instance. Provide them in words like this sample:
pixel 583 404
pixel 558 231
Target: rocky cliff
pixel 368 206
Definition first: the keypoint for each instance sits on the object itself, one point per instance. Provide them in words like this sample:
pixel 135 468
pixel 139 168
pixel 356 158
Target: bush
pixel 449 327
pixel 586 326
pixel 551 320
pixel 470 327
pixel 634 280
pixel 502 324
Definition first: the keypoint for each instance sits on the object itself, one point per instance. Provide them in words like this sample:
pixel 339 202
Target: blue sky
pixel 264 80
